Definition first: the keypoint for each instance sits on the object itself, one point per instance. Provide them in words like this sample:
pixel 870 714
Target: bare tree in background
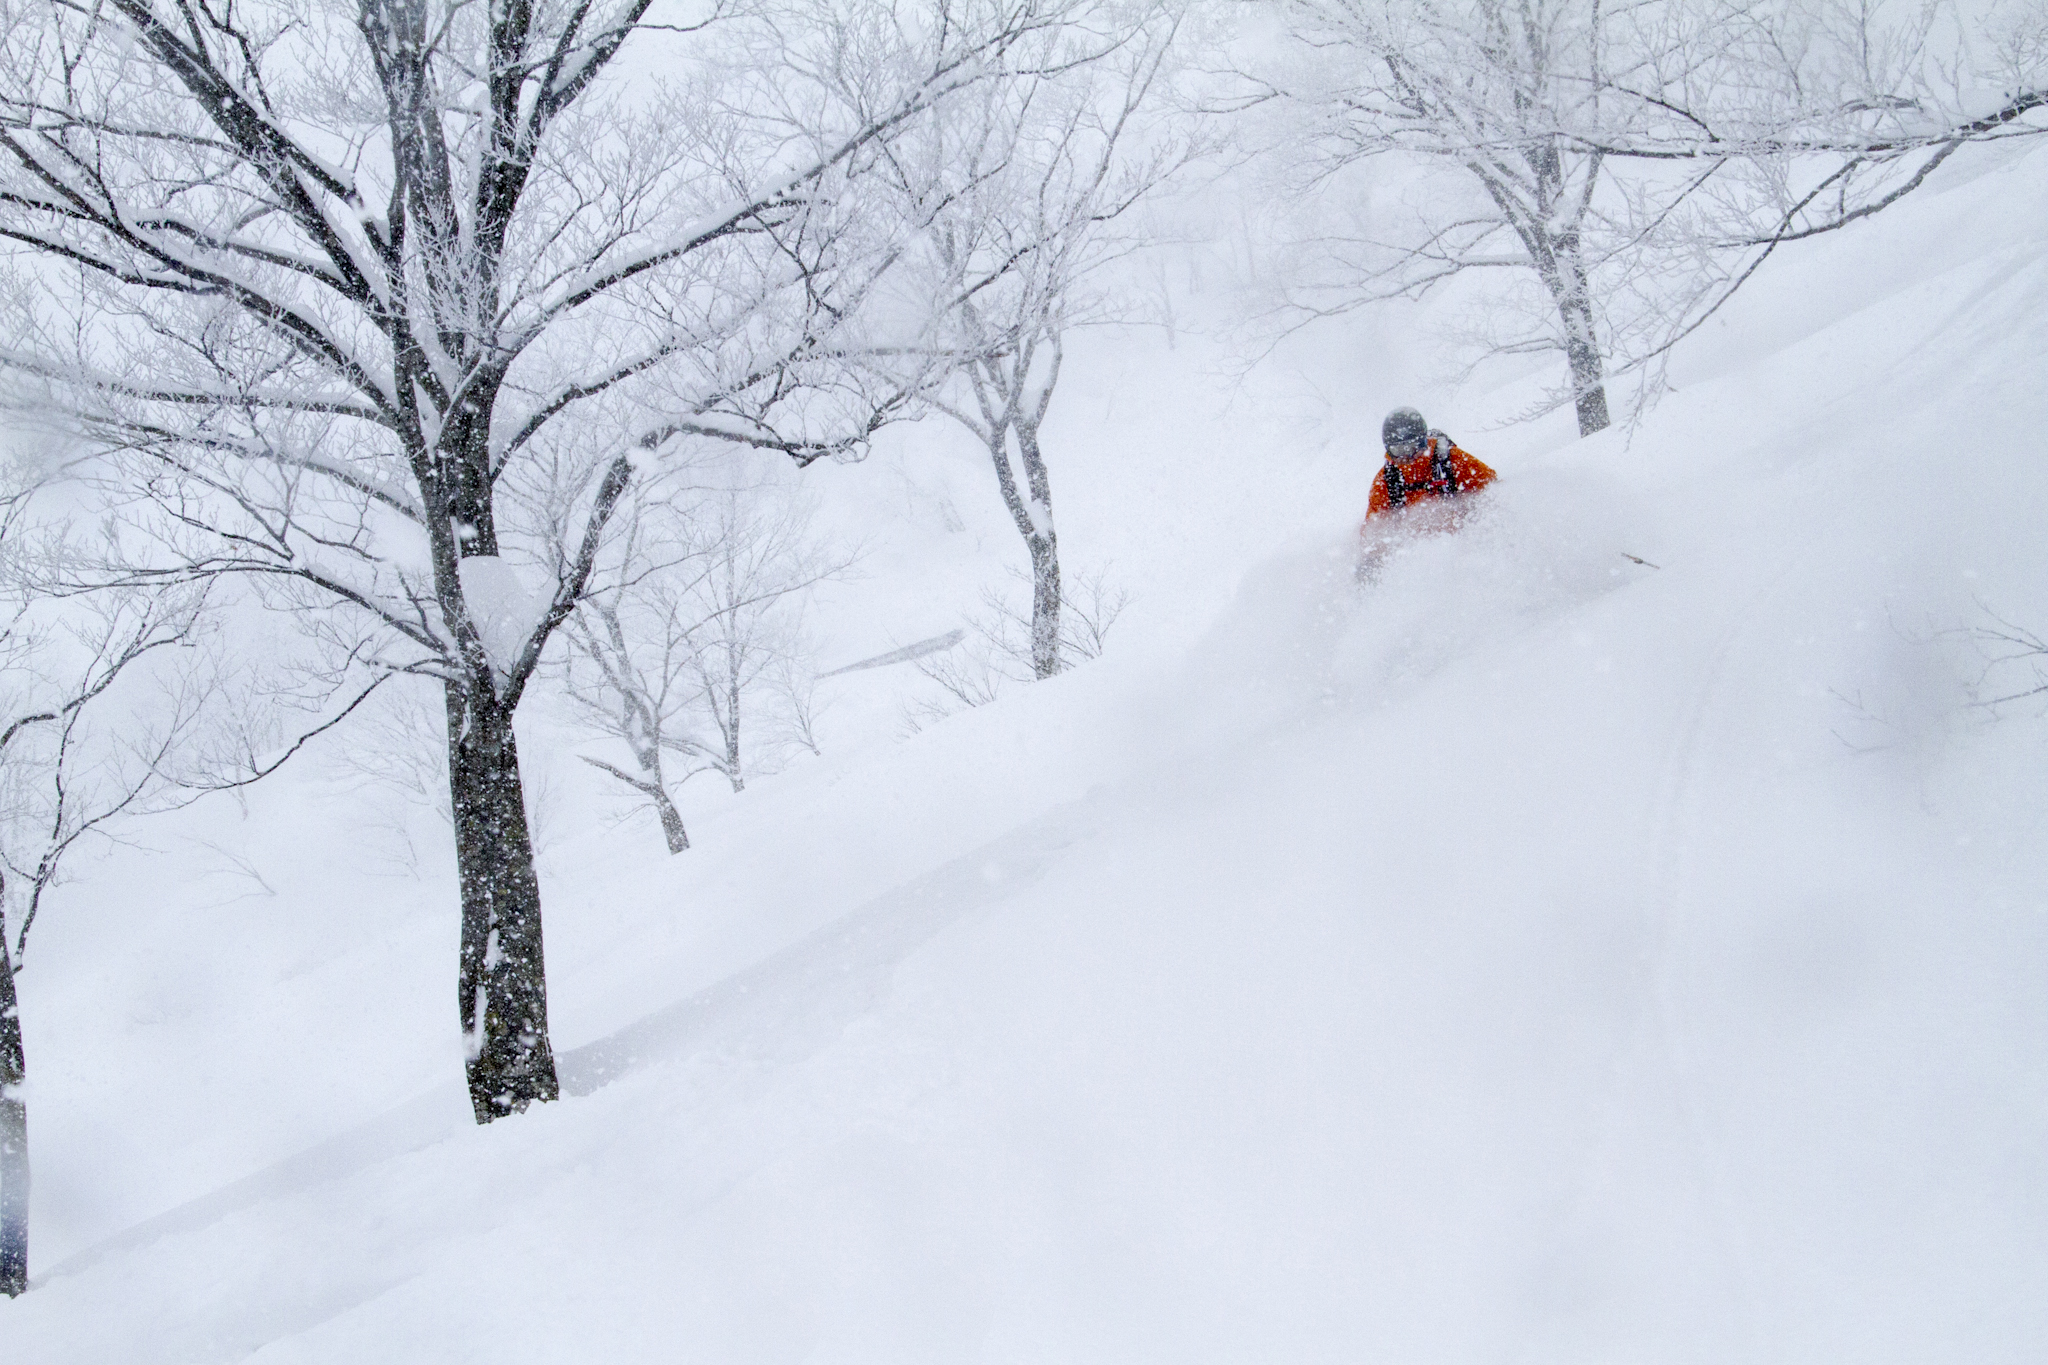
pixel 999 645
pixel 687 647
pixel 1528 100
pixel 793 680
pixel 1849 107
pixel 761 566
pixel 636 682
pixel 377 305
pixel 1021 189
pixel 1612 154
pixel 64 774
pixel 115 706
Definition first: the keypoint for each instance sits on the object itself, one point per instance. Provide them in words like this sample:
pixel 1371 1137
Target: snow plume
pixel 1303 632
pixel 1526 554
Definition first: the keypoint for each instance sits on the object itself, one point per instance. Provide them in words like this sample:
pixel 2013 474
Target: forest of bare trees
pixel 406 323
pixel 1619 169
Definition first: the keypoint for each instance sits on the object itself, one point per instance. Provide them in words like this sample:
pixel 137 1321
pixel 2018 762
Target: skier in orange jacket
pixel 1421 466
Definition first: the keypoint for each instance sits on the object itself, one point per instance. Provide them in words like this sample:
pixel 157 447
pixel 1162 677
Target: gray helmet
pixel 1404 426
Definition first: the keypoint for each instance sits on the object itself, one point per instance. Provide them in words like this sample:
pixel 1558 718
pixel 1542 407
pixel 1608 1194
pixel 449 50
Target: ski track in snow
pixel 1672 850
pixel 775 1012
pixel 412 1127
pixel 813 988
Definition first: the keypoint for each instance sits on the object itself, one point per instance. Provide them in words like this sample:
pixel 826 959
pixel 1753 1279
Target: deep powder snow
pixel 1540 956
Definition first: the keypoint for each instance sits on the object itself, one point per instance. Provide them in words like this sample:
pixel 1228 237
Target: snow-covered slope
pixel 1542 956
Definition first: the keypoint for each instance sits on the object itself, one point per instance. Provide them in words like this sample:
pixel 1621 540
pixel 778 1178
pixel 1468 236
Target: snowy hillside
pixel 1545 955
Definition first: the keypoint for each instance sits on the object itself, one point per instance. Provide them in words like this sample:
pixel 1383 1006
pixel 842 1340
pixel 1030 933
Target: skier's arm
pixel 1473 474
pixel 1378 503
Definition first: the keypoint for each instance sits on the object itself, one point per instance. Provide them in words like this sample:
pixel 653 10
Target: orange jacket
pixel 1420 481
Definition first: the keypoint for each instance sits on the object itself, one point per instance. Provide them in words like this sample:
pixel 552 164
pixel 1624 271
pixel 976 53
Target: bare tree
pixel 14 1162
pixel 1021 190
pixel 2014 661
pixel 794 681
pixel 690 630
pixel 51 802
pixel 999 648
pixel 115 707
pixel 634 684
pixel 397 747
pixel 1849 107
pixel 1529 100
pixel 1613 155
pixel 762 564
pixel 379 305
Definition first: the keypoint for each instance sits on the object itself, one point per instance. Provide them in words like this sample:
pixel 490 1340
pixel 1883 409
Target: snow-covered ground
pixel 1541 956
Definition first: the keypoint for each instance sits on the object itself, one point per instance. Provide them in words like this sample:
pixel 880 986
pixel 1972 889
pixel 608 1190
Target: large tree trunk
pixel 13 1135
pixel 503 978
